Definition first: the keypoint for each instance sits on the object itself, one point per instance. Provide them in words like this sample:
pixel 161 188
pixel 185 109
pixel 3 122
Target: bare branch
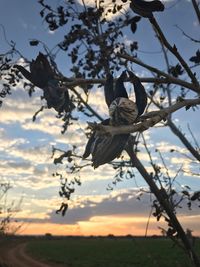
pixel 179 134
pixel 193 137
pixel 174 51
pixel 196 8
pixel 168 78
pixel 86 104
pixel 183 139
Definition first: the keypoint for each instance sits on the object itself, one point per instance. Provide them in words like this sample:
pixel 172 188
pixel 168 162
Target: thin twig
pixel 183 139
pixel 179 134
pixel 148 221
pixel 86 104
pixel 186 35
pixel 168 70
pixel 151 161
pixel 195 140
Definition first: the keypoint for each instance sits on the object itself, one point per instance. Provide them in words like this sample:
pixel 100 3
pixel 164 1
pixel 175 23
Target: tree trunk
pixel 164 203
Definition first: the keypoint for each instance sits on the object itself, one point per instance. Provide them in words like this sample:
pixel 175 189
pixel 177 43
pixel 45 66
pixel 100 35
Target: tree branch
pixel 86 104
pixel 164 201
pixel 174 51
pixel 196 8
pixel 183 139
pixel 147 120
pixel 168 78
pixel 179 134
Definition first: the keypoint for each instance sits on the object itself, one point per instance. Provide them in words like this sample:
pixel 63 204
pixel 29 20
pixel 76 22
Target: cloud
pixel 121 204
pixel 107 5
pixel 85 207
pixel 118 213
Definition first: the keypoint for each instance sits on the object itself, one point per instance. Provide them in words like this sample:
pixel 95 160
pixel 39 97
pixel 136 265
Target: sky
pixel 25 147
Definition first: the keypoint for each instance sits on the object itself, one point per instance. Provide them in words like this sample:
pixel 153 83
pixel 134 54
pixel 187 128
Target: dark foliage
pixel 196 58
pixel 124 171
pixel 34 42
pixel 66 189
pixel 91 39
pixel 63 208
pixel 9 76
pixel 176 71
pixel 195 196
pixel 133 22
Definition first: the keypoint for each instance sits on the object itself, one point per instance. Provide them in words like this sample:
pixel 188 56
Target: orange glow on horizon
pixel 105 225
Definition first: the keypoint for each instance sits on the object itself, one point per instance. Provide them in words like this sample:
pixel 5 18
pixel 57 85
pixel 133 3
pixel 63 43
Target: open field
pixel 109 252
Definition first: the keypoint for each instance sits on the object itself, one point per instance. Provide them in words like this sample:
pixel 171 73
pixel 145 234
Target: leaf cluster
pixel 9 76
pixel 92 39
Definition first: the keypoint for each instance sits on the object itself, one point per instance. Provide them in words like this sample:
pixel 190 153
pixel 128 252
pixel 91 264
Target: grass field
pixel 105 252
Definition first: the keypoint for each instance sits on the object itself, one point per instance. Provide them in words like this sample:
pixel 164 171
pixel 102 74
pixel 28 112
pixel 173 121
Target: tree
pixel 8 211
pixel 95 46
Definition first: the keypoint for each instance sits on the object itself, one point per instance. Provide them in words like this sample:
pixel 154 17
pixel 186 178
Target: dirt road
pixel 16 256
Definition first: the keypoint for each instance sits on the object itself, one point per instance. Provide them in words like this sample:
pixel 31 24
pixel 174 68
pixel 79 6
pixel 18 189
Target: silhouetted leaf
pixel 184 192
pixel 196 58
pixel 176 70
pixel 196 196
pixel 188 107
pixel 34 42
pixel 134 21
pixel 63 208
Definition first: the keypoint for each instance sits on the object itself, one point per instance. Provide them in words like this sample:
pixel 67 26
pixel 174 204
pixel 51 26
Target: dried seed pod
pixel 146 9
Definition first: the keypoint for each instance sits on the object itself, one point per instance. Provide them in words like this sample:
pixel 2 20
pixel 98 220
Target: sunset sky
pixel 25 147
